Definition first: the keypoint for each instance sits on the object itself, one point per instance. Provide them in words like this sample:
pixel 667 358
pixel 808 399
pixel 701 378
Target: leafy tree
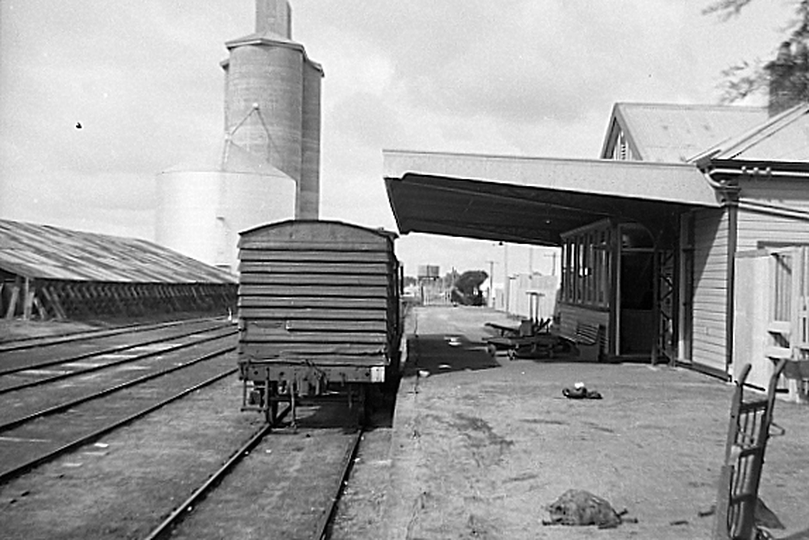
pixel 749 77
pixel 466 288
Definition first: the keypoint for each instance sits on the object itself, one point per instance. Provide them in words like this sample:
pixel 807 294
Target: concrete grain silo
pixel 268 167
pixel 272 101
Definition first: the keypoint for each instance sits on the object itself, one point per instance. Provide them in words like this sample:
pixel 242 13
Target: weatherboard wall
pixel 711 236
pixel 775 222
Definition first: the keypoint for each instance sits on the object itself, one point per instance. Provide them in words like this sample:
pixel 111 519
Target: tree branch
pixel 726 9
pixel 742 80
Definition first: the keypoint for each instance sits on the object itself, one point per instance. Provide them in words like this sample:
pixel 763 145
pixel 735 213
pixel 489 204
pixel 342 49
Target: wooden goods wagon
pixel 319 313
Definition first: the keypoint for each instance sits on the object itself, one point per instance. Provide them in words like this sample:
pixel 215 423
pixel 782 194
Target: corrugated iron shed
pixel 45 252
pixel 674 133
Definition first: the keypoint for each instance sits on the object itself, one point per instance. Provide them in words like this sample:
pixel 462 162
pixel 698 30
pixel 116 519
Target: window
pixel 587 260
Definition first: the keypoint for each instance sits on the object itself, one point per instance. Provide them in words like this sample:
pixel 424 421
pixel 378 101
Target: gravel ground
pixel 125 484
pixel 480 447
pixel 477 448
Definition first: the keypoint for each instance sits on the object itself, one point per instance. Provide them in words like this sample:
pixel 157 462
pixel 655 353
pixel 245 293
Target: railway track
pixel 50 354
pixel 57 370
pixel 293 477
pixel 291 481
pixel 31 342
pixel 49 416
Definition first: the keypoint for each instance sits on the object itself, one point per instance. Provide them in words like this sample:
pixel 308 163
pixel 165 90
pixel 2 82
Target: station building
pixel 687 212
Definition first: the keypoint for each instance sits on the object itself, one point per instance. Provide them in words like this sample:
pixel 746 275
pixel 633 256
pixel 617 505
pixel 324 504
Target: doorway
pixel 636 332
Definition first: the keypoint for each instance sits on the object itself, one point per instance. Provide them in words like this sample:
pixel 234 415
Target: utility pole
pixel 491 283
pixel 506 283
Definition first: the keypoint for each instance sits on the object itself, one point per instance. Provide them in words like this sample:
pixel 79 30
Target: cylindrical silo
pixel 264 102
pixel 187 202
pixel 268 169
pixel 203 204
pixel 308 196
pixel 272 101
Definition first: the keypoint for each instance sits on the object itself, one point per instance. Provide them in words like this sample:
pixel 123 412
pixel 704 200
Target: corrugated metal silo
pixel 203 206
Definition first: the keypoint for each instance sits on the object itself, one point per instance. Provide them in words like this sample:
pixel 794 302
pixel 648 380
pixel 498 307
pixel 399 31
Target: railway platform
pixel 480 445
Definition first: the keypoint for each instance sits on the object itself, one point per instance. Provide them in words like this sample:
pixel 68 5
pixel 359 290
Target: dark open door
pixel 636 291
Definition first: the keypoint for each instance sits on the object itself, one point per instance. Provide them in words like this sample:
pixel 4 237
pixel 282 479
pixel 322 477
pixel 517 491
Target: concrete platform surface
pixel 480 445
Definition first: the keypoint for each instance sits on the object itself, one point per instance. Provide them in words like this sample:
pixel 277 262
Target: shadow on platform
pixel 438 353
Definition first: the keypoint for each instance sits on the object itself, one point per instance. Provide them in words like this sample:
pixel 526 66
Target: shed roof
pixel 47 252
pixel 673 133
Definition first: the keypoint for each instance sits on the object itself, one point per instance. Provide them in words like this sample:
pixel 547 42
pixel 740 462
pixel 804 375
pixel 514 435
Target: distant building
pixel 654 233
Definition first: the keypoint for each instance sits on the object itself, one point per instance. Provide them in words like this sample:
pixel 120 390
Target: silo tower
pixel 267 168
pixel 272 102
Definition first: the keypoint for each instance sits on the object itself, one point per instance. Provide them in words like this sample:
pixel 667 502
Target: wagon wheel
pixel 272 406
pixel 365 408
pixel 358 399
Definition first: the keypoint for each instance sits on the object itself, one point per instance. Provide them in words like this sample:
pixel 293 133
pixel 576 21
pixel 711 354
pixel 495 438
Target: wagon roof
pixel 314 223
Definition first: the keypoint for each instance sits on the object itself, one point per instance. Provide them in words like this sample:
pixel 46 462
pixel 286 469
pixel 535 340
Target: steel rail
pixel 165 528
pixel 32 342
pixel 114 363
pixel 120 348
pixel 327 517
pixel 134 382
pixel 200 493
pixel 25 467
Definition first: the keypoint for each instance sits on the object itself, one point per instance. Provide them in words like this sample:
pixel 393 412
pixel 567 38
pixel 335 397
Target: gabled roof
pixel 673 133
pixel 783 138
pixel 46 252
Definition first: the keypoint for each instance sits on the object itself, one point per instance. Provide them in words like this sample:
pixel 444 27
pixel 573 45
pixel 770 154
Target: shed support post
pixel 15 294
pixel 28 299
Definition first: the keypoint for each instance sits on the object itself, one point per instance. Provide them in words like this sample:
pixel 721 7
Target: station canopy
pixel 535 200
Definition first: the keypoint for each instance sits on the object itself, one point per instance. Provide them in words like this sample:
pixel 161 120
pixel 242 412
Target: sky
pixel 512 77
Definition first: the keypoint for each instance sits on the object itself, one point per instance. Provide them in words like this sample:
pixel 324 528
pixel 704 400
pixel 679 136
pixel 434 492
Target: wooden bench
pixel 526 328
pixel 504 330
pixel 590 337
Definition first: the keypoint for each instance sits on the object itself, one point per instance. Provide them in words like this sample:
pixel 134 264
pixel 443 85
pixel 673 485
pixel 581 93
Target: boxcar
pixel 319 313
